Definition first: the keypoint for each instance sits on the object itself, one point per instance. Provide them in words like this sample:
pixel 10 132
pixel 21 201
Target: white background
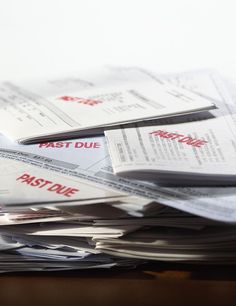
pixel 57 36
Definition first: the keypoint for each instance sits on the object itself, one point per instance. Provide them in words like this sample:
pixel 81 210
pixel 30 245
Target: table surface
pixel 155 284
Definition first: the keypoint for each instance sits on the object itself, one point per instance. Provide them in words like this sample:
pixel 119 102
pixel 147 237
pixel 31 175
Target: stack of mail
pixel 160 185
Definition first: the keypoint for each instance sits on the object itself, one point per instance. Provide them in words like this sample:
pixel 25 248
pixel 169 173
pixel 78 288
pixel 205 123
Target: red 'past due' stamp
pixel 84 101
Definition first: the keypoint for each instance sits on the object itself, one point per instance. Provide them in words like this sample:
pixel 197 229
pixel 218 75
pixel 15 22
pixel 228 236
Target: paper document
pixel 177 152
pixel 39 114
pixel 23 183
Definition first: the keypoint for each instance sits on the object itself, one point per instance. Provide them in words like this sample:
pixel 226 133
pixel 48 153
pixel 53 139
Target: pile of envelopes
pixel 115 168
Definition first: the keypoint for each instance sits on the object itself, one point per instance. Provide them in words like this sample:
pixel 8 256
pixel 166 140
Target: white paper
pixel 24 183
pixel 39 113
pixel 201 149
